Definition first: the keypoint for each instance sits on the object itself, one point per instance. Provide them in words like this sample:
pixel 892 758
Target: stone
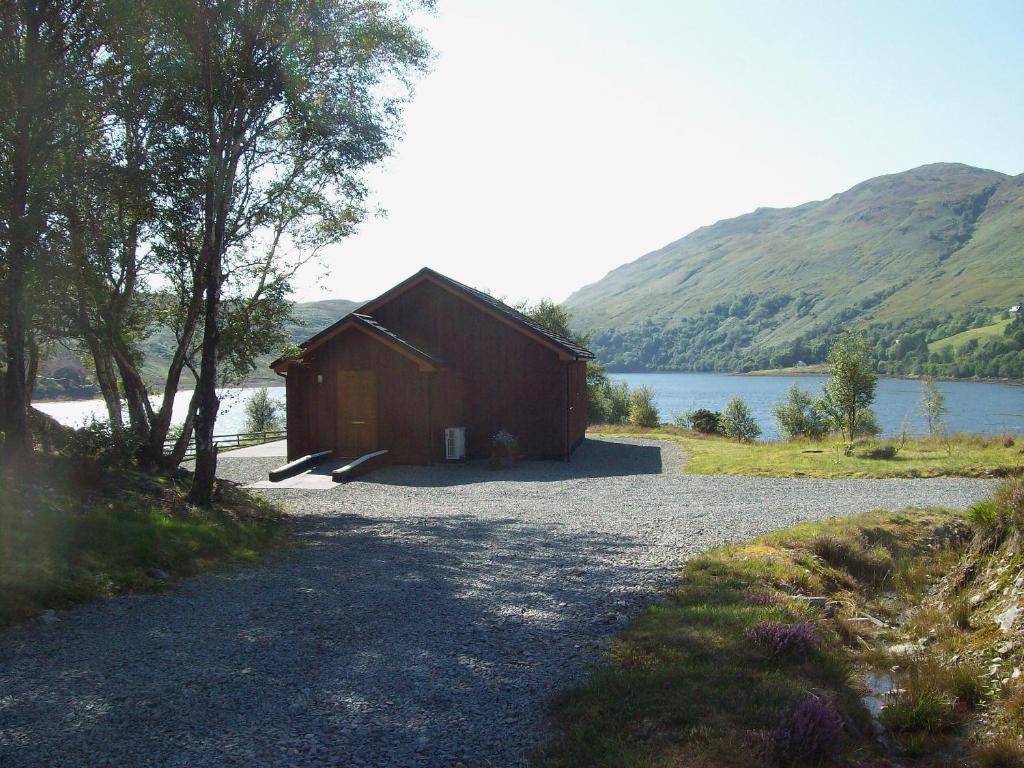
pixel 48 617
pixel 1006 619
pixel 158 574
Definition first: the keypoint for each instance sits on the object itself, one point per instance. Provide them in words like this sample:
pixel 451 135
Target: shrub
pixel 799 415
pixel 642 412
pixel 867 424
pixel 881 452
pixel 918 711
pixel 704 421
pixel 1008 441
pixel 810 734
pixel 784 639
pixel 851 386
pixel 737 422
pixel 262 412
pixel 104 443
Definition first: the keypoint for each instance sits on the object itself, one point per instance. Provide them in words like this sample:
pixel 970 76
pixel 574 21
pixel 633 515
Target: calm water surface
pixel 973 406
pixel 977 407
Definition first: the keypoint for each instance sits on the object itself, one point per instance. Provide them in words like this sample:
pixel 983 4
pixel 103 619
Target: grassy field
pixel 763 652
pixel 957 456
pixel 998 328
pixel 66 537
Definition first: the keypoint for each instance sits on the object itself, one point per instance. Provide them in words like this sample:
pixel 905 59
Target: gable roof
pixel 371 327
pixel 489 304
pixel 566 348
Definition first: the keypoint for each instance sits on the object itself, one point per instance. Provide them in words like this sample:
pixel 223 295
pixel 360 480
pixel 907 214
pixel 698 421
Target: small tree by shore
pixel 933 405
pixel 642 411
pixel 262 413
pixel 850 389
pixel 738 423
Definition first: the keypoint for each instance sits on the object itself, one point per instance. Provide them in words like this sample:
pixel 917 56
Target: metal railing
pixel 230 442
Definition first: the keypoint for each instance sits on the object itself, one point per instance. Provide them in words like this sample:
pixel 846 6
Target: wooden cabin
pixel 428 356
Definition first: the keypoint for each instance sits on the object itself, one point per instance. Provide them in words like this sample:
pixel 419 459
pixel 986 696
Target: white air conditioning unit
pixel 455 443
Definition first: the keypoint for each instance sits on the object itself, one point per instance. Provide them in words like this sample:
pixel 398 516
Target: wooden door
pixel 357 413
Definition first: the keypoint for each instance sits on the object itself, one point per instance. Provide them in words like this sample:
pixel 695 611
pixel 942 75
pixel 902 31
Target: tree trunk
pixel 206 388
pixel 106 377
pixel 17 445
pixel 177 454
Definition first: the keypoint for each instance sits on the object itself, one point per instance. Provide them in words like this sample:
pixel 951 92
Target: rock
pixel 159 575
pixel 1006 618
pixel 974 601
pixel 47 617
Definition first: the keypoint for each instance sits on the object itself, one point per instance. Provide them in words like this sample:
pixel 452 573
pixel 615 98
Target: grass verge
pixel 65 538
pixel 956 456
pixel 721 674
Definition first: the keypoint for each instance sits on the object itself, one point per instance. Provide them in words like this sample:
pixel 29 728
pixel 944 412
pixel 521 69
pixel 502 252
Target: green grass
pixel 683 685
pixel 957 456
pixel 997 329
pixel 64 541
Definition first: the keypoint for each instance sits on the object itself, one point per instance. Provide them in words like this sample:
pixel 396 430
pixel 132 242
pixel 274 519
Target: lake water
pixel 977 407
pixel 230 419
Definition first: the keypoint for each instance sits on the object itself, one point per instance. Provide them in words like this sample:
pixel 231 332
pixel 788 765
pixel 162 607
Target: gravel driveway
pixel 431 616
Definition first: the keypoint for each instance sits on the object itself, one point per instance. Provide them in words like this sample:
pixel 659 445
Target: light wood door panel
pixel 357 413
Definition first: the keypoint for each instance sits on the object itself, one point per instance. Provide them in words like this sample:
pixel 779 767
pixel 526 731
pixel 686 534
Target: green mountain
pixel 940 245
pixel 63 374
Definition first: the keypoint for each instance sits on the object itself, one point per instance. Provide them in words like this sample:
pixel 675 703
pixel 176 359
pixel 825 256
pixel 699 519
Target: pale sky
pixel 554 140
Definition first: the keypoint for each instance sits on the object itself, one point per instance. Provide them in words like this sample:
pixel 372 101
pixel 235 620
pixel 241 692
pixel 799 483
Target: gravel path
pixel 429 619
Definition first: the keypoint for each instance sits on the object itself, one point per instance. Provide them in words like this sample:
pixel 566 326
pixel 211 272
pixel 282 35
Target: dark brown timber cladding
pixel 497 377
pixel 577 402
pixel 402 391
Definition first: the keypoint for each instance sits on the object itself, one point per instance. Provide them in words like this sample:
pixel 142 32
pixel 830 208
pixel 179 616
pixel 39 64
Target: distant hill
pixel 910 250
pixel 63 374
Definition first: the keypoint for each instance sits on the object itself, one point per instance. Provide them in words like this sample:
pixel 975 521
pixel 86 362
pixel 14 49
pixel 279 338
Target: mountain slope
pixel 928 242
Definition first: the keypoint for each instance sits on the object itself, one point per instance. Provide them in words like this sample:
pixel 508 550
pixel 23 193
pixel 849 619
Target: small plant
pixel 918 711
pixel 960 612
pixel 763 598
pixel 504 450
pixel 102 443
pixel 1000 752
pixel 738 423
pixel 810 734
pixel 799 415
pixel 704 421
pixel 883 452
pixel 933 405
pixel 778 638
pixel 262 412
pixel 1008 441
pixel 642 411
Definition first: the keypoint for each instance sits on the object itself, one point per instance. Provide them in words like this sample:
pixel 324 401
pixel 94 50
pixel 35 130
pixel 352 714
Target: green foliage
pixel 263 413
pixel 705 421
pixel 738 423
pixel 799 415
pixel 933 405
pixel 850 389
pixel 1003 513
pixel 99 441
pixel 642 411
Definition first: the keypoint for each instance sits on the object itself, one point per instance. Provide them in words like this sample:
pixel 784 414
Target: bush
pixel 790 639
pixel 99 441
pixel 867 424
pixel 919 711
pixel 811 734
pixel 704 421
pixel 799 415
pixel 737 422
pixel 1001 752
pixel 642 412
pixel 881 452
pixel 262 413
